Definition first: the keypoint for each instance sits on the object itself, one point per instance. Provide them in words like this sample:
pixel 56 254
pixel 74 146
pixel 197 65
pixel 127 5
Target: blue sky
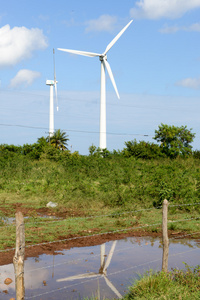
pixel 156 65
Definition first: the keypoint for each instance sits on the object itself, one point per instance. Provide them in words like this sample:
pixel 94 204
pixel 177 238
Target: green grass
pixel 177 284
pixel 42 229
pixel 116 189
pixel 88 186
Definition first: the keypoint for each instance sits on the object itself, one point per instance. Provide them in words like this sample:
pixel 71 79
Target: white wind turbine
pixel 104 65
pixel 52 83
pixel 104 264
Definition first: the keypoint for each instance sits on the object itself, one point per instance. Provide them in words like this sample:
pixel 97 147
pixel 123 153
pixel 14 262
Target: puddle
pixel 106 270
pixel 49 217
pixel 8 220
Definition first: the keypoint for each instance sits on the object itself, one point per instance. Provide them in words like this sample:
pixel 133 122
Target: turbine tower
pixel 52 83
pixel 104 65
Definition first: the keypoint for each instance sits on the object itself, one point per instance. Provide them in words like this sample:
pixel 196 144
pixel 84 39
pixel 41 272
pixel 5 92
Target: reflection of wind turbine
pixel 104 64
pixel 102 271
pixel 52 83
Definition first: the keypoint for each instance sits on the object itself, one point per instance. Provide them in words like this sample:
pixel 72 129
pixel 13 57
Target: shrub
pixel 145 150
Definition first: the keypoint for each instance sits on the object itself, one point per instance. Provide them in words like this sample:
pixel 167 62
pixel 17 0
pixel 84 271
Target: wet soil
pixel 55 247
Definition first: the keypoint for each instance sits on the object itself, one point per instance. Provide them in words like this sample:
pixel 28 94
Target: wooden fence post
pixel 18 259
pixel 165 236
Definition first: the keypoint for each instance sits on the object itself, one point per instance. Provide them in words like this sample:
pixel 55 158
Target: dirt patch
pixel 73 241
pixel 30 211
pixel 69 241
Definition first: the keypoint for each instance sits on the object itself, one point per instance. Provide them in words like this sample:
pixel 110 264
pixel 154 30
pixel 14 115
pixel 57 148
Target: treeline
pixel 44 150
pixel 130 178
pixel 174 142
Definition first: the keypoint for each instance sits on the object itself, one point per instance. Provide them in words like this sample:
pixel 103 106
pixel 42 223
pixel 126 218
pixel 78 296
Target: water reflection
pixel 104 264
pixel 104 271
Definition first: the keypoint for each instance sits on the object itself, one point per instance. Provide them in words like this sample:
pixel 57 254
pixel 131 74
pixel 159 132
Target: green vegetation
pixel 174 140
pixel 116 185
pixel 176 284
pixel 105 192
pixel 59 140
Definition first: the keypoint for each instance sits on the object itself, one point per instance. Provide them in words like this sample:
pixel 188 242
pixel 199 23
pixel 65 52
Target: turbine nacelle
pixel 51 82
pixel 103 57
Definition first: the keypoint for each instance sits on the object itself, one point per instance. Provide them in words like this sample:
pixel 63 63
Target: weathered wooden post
pixel 165 236
pixel 18 259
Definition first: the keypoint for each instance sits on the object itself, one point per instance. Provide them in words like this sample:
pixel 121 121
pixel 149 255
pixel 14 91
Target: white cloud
pixel 156 9
pixel 193 83
pixel 19 43
pixel 173 29
pixel 24 77
pixel 103 23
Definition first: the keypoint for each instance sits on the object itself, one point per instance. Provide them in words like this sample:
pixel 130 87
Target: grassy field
pixel 96 195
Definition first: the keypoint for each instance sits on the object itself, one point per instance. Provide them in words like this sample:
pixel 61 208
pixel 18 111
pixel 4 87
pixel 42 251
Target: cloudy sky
pixel 156 65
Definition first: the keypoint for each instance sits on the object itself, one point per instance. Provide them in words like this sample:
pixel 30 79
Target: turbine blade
pixel 84 53
pixel 113 288
pixel 80 276
pixel 117 37
pixel 111 76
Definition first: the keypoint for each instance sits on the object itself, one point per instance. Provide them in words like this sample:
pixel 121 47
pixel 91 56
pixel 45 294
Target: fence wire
pixel 109 274
pixel 100 234
pixel 99 216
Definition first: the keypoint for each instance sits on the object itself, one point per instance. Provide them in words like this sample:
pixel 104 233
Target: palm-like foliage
pixel 59 140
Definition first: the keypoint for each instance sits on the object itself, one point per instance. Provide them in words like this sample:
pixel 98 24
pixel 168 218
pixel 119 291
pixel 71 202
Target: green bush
pixel 196 154
pixel 145 150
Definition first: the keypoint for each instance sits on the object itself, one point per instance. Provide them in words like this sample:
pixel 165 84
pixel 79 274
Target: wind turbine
pixel 104 264
pixel 52 83
pixel 104 65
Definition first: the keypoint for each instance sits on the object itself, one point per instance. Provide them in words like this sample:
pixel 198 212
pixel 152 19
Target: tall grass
pixel 87 181
pixel 177 284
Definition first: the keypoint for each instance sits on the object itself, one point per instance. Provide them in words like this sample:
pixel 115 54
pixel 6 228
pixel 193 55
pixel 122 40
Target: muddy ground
pixel 55 247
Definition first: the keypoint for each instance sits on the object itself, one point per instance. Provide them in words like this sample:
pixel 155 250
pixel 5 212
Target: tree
pixel 174 140
pixel 142 149
pixel 59 140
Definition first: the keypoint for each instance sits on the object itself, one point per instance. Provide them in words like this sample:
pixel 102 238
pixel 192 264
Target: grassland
pixel 96 195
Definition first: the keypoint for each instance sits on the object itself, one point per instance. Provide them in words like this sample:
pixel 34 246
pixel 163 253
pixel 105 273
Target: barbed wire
pixel 85 236
pixel 61 288
pixel 184 204
pixel 103 233
pixel 94 216
pixel 110 274
pixel 175 254
pixel 97 255
pixel 185 235
pixel 85 258
pixel 106 215
pixel 175 221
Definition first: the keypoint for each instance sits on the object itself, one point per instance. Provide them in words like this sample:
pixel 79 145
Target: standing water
pixel 103 271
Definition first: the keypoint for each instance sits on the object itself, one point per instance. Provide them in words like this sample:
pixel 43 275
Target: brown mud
pixel 71 241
